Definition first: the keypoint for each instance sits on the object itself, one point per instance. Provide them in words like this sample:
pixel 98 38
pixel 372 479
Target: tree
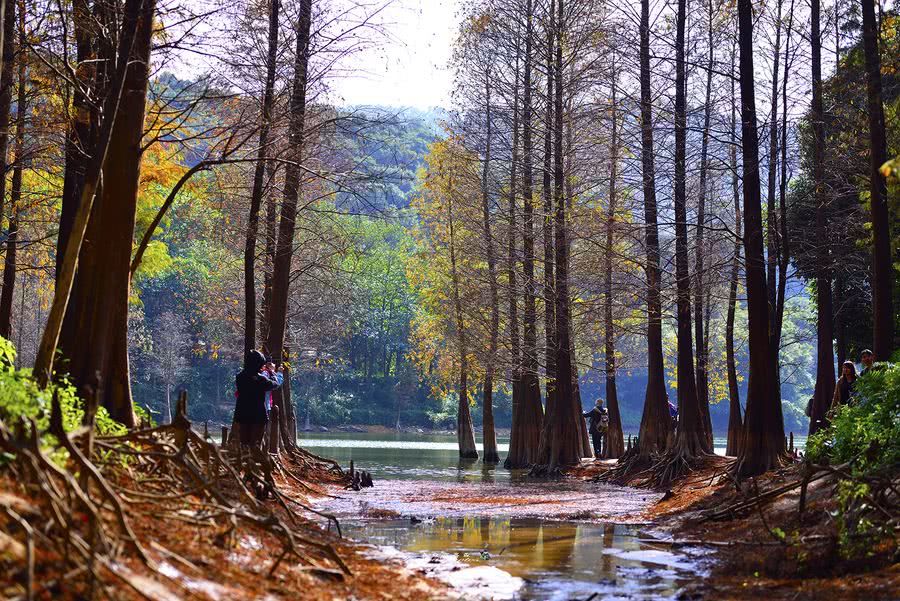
pixel 882 269
pixel 284 248
pixel 524 438
pixel 824 307
pixel 655 421
pixel 15 197
pixel 259 172
pixel 762 440
pixel 169 360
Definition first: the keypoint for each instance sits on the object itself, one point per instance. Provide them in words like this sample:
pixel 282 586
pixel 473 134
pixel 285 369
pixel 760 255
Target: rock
pixel 322 429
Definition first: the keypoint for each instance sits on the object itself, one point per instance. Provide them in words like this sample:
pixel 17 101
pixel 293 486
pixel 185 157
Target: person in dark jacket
pixel 598 424
pixel 845 387
pixel 252 387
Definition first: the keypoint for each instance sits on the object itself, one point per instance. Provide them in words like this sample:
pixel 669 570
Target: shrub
pixel 21 397
pixel 869 429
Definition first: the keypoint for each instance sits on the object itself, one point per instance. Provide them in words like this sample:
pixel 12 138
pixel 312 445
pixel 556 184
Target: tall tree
pixel 515 456
pixel 655 423
pixel 735 422
pixel 882 269
pixel 699 289
pixel 8 25
pixel 690 438
pixel 615 443
pixel 489 440
pixel 97 318
pixel 824 306
pixel 526 431
pixel 549 294
pixel 15 196
pixel 259 173
pixel 762 439
pixel 284 247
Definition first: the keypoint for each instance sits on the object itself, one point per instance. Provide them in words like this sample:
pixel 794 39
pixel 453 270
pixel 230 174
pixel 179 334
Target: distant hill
pixel 386 146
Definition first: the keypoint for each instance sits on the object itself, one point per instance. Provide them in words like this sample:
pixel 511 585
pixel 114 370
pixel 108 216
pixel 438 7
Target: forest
pixel 673 208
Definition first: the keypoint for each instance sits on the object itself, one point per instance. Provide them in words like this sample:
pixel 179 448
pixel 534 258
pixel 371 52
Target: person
pixel 867 358
pixel 843 391
pixel 273 374
pixel 598 425
pixel 253 385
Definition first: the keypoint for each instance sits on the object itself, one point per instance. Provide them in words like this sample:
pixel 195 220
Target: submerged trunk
pixel 526 431
pixel 762 439
pixel 465 432
pixel 487 422
pixel 516 440
pixel 655 422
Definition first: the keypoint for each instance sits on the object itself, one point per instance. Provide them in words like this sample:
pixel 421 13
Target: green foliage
pixel 868 430
pixel 22 398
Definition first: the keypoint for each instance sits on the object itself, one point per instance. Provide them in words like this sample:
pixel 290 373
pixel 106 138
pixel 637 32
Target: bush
pixel 869 429
pixel 21 397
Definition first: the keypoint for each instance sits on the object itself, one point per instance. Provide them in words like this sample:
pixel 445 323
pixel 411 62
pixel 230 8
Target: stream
pixel 489 533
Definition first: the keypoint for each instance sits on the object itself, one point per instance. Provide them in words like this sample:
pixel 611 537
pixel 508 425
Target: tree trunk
pixel 735 421
pixel 517 452
pixel 8 25
pixel 12 238
pixel 564 416
pixel 489 441
pixel 824 305
pixel 549 295
pixel 95 329
pixel 655 422
pixel 258 175
pixel 785 246
pixel 882 269
pixel 615 442
pixel 691 437
pixel 465 432
pixel 284 248
pixel 699 290
pixel 762 440
pixel 526 432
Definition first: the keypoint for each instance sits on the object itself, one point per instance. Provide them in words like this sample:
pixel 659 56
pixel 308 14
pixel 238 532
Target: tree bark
pixel 517 452
pixel 489 439
pixel 762 440
pixel 882 269
pixel 284 247
pixel 690 437
pixel 824 304
pixel 12 238
pixel 549 294
pixel 615 441
pixel 8 25
pixel 258 183
pixel 699 290
pixel 526 432
pixel 96 325
pixel 735 421
pixel 465 432
pixel 655 422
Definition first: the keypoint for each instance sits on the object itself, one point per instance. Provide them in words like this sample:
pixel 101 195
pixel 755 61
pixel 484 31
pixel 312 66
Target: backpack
pixel 603 422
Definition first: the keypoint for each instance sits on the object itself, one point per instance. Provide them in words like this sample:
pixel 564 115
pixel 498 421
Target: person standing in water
pixel 253 386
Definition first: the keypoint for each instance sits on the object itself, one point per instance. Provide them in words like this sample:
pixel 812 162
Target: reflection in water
pixel 554 559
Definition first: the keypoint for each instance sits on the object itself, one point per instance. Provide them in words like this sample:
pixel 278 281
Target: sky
pixel 410 67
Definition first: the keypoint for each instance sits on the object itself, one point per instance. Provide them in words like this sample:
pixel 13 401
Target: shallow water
pixel 502 558
pixel 494 534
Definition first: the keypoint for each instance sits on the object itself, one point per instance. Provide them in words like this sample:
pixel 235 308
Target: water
pixel 490 533
pixel 419 456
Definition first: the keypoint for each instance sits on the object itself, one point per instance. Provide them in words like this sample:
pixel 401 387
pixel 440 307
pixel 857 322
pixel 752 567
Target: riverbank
pixel 763 546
